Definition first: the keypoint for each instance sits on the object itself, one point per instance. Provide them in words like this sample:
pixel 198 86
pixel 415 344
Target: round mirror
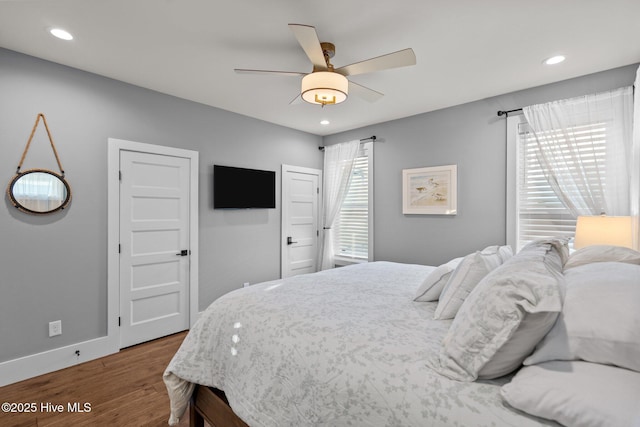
pixel 39 191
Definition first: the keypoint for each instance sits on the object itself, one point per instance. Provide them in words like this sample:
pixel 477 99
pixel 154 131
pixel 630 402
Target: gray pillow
pixel 505 316
pixel 469 272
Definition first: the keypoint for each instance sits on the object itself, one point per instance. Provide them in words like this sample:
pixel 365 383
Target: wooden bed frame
pixel 211 405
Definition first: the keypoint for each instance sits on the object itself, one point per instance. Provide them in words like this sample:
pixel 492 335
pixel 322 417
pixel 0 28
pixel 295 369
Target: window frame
pixel 512 191
pixel 366 149
pixel 512 203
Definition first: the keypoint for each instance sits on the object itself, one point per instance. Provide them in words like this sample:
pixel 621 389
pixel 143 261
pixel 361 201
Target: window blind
pixel 540 212
pixel 352 225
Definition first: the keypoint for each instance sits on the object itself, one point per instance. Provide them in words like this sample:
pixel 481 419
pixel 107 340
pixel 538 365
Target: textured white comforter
pixel 343 347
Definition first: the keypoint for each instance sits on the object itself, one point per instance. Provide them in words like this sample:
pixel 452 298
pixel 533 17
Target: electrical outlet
pixel 55 328
pixel 245 284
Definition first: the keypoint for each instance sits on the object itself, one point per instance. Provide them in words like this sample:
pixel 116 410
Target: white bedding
pixel 343 347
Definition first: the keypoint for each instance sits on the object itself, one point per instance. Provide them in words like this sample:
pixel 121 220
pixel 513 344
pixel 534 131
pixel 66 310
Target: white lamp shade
pixel 324 87
pixel 603 230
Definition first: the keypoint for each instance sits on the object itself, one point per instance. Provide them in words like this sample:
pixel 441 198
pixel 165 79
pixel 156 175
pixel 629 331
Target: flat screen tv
pixel 240 188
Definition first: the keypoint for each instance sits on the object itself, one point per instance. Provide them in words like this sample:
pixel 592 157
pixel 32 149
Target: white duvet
pixel 343 347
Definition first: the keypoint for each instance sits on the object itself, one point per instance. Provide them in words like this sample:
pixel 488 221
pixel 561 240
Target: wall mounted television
pixel 240 188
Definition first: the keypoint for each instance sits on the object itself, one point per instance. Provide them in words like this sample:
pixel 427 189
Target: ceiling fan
pixel 327 85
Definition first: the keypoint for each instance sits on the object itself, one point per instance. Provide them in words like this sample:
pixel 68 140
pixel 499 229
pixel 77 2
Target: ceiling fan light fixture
pixel 324 88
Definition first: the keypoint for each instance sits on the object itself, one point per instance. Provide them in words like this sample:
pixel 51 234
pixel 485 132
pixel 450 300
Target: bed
pixel 352 347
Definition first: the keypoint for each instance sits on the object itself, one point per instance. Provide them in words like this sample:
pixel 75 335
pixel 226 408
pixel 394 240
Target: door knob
pixel 290 241
pixel 183 252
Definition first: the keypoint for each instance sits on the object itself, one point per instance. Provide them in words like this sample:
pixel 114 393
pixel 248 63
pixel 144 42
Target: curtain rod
pixel 506 113
pixel 372 138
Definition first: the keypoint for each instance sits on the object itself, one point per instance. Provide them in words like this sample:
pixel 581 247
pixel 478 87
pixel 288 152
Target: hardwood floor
pixel 123 389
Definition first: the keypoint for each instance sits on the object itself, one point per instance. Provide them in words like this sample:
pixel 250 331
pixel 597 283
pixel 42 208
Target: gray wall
pixel 471 136
pixel 55 266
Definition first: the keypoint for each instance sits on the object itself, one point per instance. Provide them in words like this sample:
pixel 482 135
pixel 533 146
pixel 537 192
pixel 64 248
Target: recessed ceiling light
pixel 324 122
pixel 555 60
pixel 61 34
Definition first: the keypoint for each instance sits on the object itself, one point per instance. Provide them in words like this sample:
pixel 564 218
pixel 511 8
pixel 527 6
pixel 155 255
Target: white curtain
pixel 570 134
pixel 338 164
pixel 635 171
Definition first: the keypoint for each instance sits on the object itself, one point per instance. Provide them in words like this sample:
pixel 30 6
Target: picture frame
pixel 430 190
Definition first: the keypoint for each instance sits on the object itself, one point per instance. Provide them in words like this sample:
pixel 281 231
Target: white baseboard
pixel 23 368
pixel 33 365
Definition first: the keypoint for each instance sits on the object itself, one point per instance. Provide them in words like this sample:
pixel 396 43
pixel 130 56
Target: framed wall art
pixel 430 190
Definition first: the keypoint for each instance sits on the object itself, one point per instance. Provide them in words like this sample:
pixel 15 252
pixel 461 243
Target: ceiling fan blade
pixel 281 73
pixel 296 100
pixel 401 58
pixel 364 92
pixel 308 39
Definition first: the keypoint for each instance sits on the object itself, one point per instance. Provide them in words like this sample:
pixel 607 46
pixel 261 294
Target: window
pixel 353 241
pixel 535 210
pixel 576 163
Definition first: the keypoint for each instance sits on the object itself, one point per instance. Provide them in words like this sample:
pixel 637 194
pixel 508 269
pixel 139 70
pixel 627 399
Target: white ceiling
pixel 466 49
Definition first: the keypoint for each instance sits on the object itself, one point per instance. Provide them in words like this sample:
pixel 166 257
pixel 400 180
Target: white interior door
pixel 154 246
pixel 300 219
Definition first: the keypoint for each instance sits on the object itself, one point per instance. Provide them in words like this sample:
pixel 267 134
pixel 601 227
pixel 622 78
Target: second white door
pixel 300 219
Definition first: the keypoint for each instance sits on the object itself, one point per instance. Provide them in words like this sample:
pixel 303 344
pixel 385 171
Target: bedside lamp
pixel 603 230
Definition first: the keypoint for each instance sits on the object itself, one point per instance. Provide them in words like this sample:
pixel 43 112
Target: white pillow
pixel 602 253
pixel 600 320
pixel 473 268
pixel 577 394
pixel 432 286
pixel 504 317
